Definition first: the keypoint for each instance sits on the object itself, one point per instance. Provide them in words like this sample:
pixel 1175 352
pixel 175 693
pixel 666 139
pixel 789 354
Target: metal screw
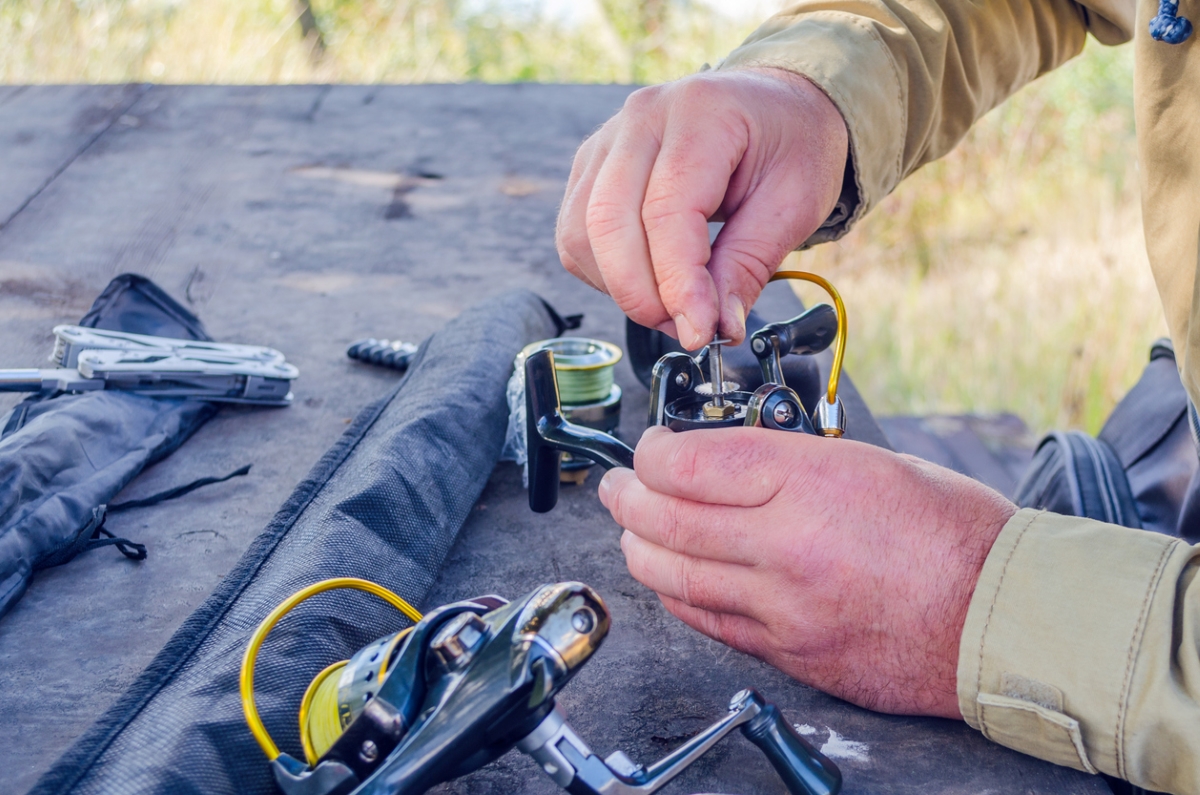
pixel 369 751
pixel 583 621
pixel 785 413
pixel 682 380
pixel 758 345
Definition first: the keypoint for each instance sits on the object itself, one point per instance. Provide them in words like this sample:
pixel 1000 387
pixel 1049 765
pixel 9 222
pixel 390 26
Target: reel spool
pixel 589 397
pixel 338 694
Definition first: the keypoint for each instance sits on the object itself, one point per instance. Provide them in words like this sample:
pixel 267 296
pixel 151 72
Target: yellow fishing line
pixel 246 680
pixel 319 724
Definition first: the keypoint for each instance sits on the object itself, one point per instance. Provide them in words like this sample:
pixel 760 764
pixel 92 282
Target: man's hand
pixel 846 566
pixel 763 150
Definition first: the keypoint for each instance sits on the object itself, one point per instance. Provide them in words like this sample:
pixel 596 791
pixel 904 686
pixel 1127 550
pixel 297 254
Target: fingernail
pixel 738 311
pixel 687 334
pixel 604 487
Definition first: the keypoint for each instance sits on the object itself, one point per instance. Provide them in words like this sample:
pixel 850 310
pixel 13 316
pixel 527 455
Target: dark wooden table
pixel 303 218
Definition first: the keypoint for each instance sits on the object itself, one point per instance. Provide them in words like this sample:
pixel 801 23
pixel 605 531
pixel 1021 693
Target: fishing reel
pixel 472 680
pixel 683 399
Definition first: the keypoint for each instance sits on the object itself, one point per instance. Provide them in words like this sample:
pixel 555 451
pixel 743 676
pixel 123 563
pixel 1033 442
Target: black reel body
pixel 475 679
pixel 684 397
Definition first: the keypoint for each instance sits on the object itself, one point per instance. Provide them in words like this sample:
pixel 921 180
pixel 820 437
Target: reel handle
pixel 808 333
pixel 804 769
pixel 547 432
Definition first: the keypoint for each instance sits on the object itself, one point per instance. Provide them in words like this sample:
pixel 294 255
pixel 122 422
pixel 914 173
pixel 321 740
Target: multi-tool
pixel 90 359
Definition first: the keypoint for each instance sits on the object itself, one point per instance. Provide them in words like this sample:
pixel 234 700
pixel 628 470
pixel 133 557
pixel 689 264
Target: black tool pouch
pixel 1142 471
pixel 63 457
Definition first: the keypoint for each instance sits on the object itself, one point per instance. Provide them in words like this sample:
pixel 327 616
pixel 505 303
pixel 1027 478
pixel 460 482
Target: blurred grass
pixel 1009 276
pixel 397 41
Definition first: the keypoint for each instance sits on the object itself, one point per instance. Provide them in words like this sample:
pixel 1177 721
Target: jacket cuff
pixel 1052 635
pixel 844 56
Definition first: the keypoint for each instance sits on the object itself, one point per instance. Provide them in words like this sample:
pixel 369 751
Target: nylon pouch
pixel 63 457
pixel 1142 470
pixel 384 504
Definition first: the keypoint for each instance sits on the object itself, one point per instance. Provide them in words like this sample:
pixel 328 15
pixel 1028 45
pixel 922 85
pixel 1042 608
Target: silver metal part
pixel 70 341
pixel 369 751
pixel 717 408
pixel 705 388
pixel 566 758
pixel 831 418
pixel 94 359
pixel 784 414
pixel 455 644
pixel 777 407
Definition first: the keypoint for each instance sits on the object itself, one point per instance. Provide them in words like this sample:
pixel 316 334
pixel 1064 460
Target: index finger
pixel 711 532
pixel 687 187
pixel 744 467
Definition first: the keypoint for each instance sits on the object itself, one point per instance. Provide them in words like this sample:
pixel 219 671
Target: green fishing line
pixel 584 368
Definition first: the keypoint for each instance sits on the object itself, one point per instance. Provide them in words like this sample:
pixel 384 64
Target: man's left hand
pixel 848 567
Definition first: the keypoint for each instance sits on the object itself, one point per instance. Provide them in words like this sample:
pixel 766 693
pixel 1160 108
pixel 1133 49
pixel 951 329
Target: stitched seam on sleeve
pixel 987 622
pixel 899 88
pixel 1135 644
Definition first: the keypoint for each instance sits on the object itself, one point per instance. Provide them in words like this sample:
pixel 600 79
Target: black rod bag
pixel 63 457
pixel 384 504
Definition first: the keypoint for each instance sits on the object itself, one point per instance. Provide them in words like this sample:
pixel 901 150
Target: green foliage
pixel 256 41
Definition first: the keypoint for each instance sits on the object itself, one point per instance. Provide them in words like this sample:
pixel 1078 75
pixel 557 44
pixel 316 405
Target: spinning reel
pixel 682 399
pixel 474 679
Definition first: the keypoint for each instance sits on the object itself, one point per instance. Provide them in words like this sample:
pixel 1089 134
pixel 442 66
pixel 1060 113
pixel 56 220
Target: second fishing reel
pixel 469 682
pixel 694 393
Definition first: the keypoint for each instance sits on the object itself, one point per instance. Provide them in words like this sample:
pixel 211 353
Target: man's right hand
pixel 763 150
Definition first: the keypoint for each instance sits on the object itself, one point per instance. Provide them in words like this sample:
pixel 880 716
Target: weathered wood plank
pixel 42 130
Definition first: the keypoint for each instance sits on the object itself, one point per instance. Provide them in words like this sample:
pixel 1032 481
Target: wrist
pixel 814 139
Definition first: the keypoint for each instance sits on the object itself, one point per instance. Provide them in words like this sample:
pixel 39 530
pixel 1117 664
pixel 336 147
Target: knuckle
pixel 605 220
pixel 662 204
pixel 642 101
pixel 700 91
pixel 670 524
pixel 686 579
pixel 735 633
pixel 571 244
pixel 752 262
pixel 683 463
pixel 641 305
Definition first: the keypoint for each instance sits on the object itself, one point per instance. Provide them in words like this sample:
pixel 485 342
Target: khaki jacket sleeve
pixel 1082 647
pixel 911 76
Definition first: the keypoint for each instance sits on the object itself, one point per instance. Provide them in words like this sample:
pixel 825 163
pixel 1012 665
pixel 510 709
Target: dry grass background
pixel 1010 276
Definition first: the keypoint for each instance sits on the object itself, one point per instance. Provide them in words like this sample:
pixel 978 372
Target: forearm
pixel 1082 646
pixel 911 76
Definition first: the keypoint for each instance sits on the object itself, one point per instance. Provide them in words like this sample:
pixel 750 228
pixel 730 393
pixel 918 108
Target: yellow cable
pixel 260 633
pixel 839 351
